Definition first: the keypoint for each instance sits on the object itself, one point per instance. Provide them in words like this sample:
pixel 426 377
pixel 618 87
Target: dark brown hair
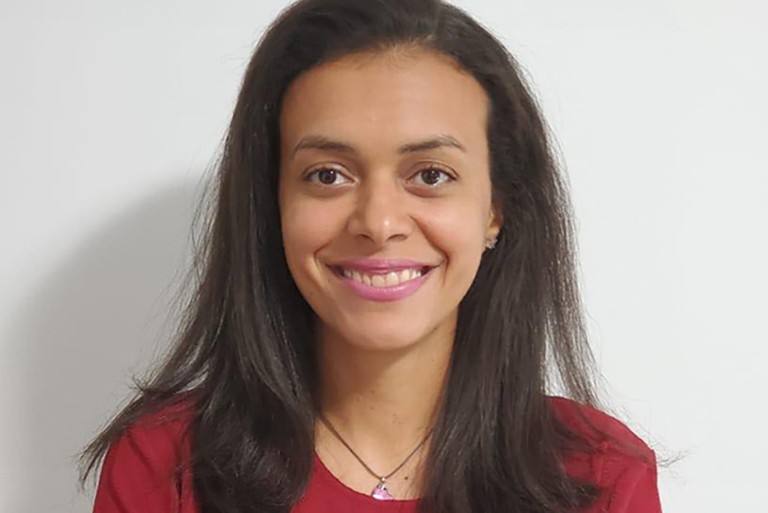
pixel 245 347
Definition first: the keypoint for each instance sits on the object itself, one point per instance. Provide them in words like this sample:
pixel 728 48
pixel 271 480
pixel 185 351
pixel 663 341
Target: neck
pixel 382 402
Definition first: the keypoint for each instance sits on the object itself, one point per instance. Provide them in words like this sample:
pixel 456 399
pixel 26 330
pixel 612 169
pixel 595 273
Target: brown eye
pixel 433 176
pixel 326 176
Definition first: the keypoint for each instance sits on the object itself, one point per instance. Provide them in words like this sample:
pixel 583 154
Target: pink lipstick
pixel 382 279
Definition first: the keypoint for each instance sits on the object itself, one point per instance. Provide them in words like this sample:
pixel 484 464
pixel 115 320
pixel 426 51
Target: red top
pixel 137 474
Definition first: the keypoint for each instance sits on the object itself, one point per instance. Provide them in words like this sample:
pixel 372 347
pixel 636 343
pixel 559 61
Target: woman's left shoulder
pixel 616 459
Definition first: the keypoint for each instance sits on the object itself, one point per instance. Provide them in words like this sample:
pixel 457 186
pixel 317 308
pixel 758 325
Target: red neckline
pixel 328 476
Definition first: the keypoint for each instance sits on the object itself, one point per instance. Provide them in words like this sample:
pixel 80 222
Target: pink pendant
pixel 381 493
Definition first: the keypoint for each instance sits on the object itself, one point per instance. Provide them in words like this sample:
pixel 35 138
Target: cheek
pixel 306 229
pixel 458 232
pixel 460 223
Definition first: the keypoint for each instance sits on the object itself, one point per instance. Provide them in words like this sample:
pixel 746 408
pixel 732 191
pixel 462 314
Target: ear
pixel 495 222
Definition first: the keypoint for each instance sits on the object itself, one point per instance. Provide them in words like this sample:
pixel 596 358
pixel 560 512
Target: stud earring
pixel 490 243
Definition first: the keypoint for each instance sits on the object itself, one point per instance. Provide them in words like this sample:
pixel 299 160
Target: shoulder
pixel 147 466
pixel 162 433
pixel 610 456
pixel 171 419
pixel 597 427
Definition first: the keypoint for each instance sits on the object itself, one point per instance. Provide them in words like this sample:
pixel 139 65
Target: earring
pixel 490 243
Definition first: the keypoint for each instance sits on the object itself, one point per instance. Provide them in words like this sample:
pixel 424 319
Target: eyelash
pixel 449 177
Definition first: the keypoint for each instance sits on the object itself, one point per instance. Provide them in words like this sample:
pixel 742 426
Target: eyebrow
pixel 320 142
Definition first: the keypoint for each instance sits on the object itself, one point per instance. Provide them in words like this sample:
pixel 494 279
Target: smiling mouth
pixel 381 279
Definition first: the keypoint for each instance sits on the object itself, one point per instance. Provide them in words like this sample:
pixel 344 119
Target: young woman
pixel 387 297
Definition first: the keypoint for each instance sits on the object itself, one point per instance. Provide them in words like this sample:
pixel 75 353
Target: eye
pixel 433 176
pixel 326 176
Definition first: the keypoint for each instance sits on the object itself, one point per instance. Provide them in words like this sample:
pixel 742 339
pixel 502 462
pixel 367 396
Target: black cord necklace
pixel 381 491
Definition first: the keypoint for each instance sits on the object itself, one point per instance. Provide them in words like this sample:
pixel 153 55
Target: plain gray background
pixel 111 113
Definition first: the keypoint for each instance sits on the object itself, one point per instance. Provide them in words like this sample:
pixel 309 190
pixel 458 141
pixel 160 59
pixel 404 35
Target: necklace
pixel 380 492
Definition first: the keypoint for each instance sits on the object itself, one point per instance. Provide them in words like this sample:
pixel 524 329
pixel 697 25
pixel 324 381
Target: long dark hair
pixel 244 350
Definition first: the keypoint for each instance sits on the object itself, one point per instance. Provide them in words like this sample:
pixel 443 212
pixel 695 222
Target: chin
pixel 384 339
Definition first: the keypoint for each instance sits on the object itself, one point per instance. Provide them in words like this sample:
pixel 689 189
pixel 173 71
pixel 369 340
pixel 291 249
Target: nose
pixel 380 212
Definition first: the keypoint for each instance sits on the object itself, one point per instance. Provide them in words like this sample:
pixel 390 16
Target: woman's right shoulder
pixel 174 416
pixel 164 429
pixel 147 467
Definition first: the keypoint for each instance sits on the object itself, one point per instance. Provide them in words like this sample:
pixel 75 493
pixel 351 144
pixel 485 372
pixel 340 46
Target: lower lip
pixel 384 294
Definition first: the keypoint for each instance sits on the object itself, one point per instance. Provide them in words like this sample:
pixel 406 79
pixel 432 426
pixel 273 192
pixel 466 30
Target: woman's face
pixel 385 194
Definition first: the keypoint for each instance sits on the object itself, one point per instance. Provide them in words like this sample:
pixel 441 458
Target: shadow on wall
pixel 98 317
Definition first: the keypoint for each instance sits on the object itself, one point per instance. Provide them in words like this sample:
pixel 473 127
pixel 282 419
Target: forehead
pixel 386 98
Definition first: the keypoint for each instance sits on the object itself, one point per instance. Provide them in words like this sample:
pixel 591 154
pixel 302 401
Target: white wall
pixel 110 113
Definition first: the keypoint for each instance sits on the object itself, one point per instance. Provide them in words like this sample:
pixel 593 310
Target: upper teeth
pixel 383 280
